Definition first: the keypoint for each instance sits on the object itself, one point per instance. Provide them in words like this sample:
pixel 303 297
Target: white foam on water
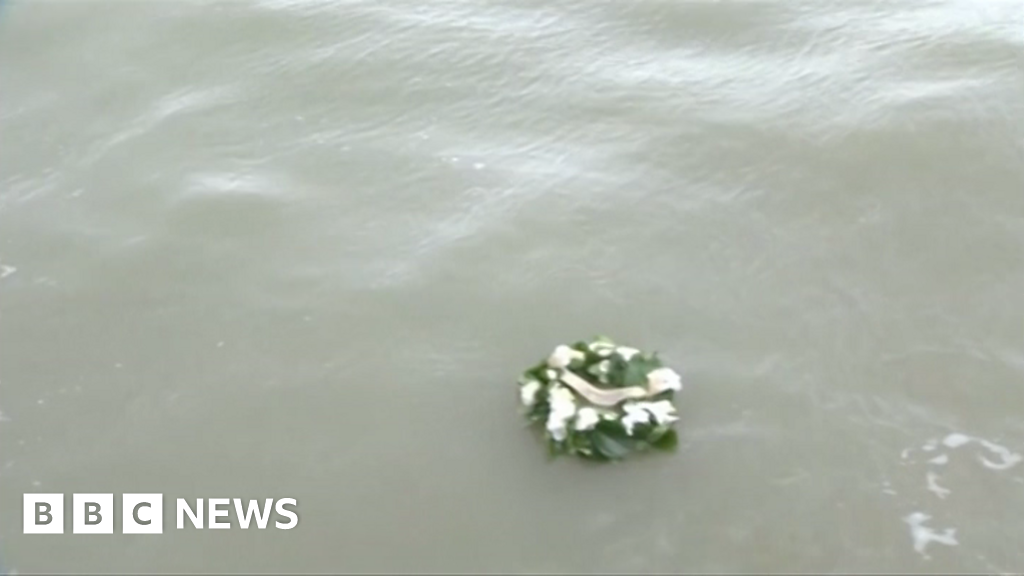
pixel 923 535
pixel 933 486
pixel 887 488
pixel 905 453
pixel 995 457
pixel 1007 458
pixel 234 184
pixel 6 270
pixel 956 440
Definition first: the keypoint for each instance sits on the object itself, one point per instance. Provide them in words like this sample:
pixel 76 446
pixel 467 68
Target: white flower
pixel 586 418
pixel 635 414
pixel 556 427
pixel 604 366
pixel 551 374
pixel 528 392
pixel 563 403
pixel 663 411
pixel 563 356
pixel 563 408
pixel 663 379
pixel 626 352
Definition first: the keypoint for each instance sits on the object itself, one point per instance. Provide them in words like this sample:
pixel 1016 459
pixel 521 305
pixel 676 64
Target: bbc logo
pixel 93 513
pixel 144 513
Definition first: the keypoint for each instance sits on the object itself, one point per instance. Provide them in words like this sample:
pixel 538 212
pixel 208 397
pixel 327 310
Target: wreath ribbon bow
pixel 603 396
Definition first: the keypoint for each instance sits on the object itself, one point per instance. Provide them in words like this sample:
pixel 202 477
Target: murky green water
pixel 302 249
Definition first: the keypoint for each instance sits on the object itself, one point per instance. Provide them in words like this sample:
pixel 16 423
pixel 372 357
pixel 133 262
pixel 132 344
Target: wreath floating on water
pixel 601 401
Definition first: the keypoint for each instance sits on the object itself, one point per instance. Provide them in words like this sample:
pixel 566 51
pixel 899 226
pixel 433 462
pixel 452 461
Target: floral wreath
pixel 601 401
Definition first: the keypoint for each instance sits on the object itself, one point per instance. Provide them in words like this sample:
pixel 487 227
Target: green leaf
pixel 555 449
pixel 537 372
pixel 636 371
pixel 665 395
pixel 667 441
pixel 611 448
pixel 539 411
pixel 611 440
pixel 634 375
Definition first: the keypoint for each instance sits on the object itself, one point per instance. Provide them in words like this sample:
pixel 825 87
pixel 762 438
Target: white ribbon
pixel 602 396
